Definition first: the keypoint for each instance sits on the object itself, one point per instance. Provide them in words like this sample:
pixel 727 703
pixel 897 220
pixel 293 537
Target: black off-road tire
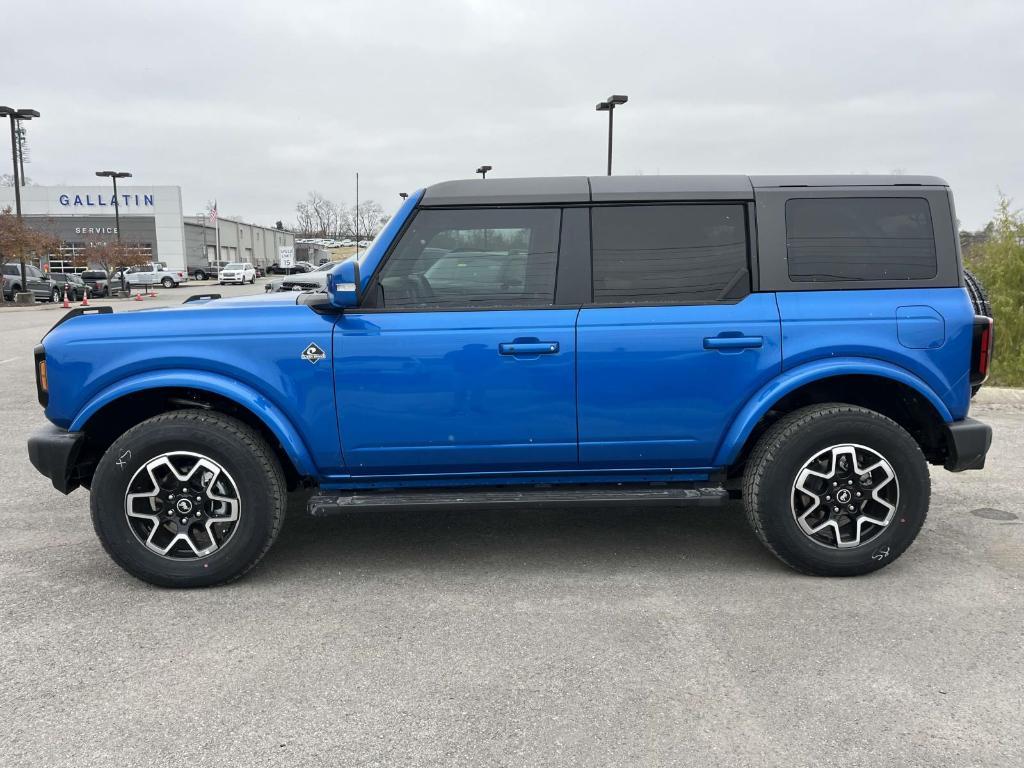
pixel 783 450
pixel 978 294
pixel 238 449
pixel 979 299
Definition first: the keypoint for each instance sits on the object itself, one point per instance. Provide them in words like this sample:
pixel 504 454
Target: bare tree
pixel 19 240
pixel 318 216
pixel 7 180
pixel 371 220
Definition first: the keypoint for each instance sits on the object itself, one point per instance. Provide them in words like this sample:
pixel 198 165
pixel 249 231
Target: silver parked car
pixel 303 281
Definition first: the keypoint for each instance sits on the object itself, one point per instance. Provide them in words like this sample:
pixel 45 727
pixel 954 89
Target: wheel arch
pixel 875 384
pixel 129 402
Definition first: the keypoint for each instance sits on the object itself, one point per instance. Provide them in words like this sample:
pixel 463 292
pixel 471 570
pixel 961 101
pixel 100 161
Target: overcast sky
pixel 256 103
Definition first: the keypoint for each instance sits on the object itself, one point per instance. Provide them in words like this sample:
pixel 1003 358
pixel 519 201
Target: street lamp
pixel 482 170
pixel 609 107
pixel 114 176
pixel 15 115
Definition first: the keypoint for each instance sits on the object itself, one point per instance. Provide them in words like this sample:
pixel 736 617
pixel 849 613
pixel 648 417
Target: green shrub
pixel 998 261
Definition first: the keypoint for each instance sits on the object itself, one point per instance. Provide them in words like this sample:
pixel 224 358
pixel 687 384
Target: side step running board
pixel 527 496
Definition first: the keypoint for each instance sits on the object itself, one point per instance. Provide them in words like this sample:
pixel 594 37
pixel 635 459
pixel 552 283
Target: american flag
pixel 213 212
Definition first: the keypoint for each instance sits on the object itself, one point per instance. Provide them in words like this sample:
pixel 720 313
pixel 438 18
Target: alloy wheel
pixel 845 496
pixel 182 505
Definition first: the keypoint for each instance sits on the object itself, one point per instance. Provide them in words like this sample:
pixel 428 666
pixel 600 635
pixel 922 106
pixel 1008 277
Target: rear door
pixel 675 342
pixel 37 282
pixel 460 360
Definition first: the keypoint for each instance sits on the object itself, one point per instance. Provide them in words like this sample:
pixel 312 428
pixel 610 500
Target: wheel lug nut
pixel 858 494
pixel 851 507
pixel 835 509
pixel 834 484
pixel 828 498
pixel 184 521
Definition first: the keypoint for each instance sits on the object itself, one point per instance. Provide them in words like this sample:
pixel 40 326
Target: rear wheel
pixel 836 490
pixel 200 275
pixel 167 282
pixel 188 499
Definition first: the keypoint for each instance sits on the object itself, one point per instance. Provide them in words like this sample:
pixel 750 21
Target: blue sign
pixel 139 201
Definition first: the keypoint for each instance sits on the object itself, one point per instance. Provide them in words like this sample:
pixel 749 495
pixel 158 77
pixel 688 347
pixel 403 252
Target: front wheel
pixel 188 499
pixel 836 490
pixel 56 296
pixel 167 282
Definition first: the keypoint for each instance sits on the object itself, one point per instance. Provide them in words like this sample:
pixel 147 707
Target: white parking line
pixel 8 360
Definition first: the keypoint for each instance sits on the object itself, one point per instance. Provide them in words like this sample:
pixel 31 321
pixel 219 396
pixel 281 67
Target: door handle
pixel 528 348
pixel 733 342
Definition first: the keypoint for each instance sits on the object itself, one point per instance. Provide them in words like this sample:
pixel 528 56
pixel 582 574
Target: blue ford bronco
pixel 809 344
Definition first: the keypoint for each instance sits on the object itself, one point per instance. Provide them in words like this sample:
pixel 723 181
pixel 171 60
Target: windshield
pixel 233 265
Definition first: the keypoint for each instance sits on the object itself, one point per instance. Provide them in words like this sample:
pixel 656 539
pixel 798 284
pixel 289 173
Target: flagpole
pixel 216 231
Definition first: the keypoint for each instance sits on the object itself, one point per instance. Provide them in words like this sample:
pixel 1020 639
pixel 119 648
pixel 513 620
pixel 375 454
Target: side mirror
pixel 343 285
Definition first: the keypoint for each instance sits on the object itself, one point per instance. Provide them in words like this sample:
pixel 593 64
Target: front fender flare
pixel 244 395
pixel 758 405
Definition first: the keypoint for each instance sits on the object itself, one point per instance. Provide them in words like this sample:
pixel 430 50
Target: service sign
pixel 286 257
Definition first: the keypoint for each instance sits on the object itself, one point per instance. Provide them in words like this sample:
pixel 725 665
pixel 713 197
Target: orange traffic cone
pixel 152 292
pixel 67 304
pixel 85 298
pixel 138 296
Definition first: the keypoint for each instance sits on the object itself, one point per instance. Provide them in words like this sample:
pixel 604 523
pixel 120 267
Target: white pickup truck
pixel 155 274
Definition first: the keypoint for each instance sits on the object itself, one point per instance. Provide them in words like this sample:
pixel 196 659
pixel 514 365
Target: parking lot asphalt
pixel 582 638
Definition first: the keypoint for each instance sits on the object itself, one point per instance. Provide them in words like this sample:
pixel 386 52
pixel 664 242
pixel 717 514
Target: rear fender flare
pixel 791 380
pixel 242 394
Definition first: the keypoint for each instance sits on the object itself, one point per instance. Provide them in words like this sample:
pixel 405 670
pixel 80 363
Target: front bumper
pixel 54 452
pixel 967 442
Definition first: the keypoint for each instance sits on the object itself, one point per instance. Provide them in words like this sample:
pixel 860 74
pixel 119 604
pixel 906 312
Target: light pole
pixel 15 115
pixel 609 107
pixel 114 176
pixel 482 170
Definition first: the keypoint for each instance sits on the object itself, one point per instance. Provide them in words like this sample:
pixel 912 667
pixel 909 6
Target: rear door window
pixel 849 239
pixel 668 254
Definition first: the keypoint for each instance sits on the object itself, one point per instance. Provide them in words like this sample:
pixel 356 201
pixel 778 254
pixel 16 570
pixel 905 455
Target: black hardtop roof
pixel 585 189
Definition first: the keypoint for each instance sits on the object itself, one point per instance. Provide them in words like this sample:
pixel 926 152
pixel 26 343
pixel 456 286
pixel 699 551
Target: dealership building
pixel 152 226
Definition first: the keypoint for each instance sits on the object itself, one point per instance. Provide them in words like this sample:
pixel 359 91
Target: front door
pixel 675 343
pixel 459 361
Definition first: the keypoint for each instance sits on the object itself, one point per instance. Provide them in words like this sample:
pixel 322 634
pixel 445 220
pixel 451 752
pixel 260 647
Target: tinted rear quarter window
pixel 849 239
pixel 669 253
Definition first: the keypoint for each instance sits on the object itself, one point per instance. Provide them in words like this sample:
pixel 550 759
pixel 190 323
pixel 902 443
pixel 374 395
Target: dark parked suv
pixel 808 343
pixel 72 281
